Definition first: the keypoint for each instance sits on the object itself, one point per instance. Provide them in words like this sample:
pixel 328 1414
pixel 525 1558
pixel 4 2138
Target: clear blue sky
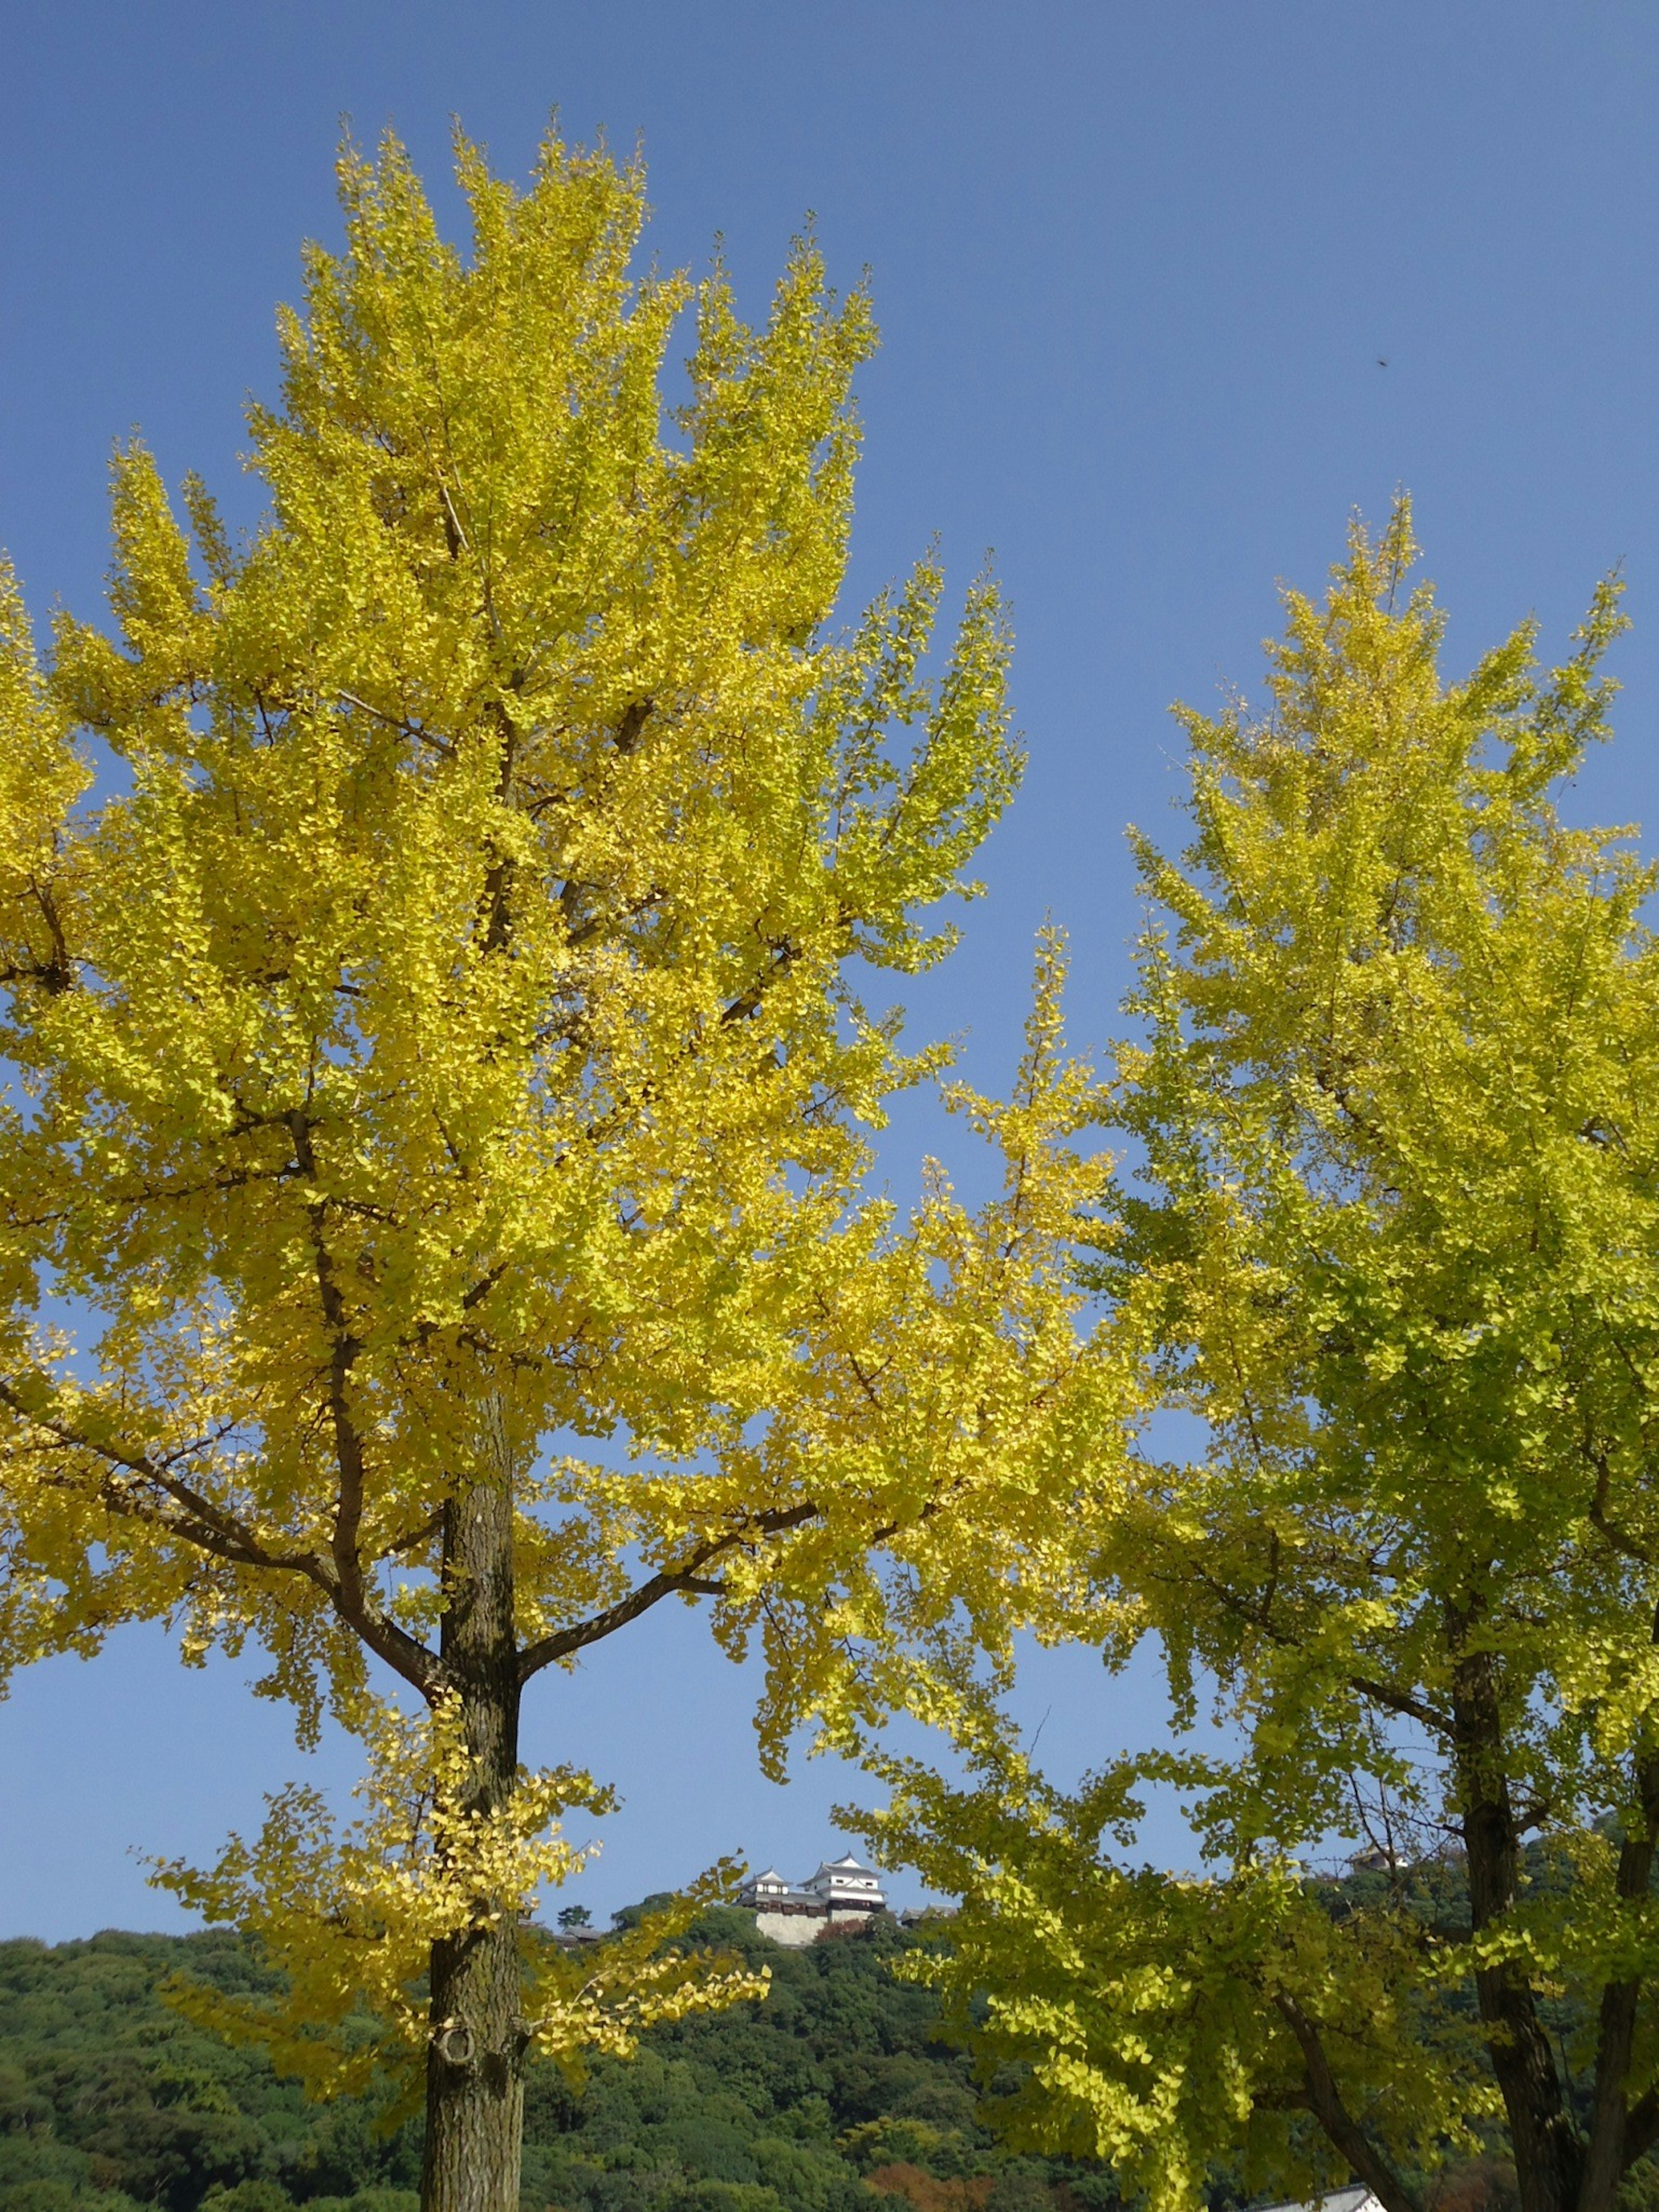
pixel 1135 266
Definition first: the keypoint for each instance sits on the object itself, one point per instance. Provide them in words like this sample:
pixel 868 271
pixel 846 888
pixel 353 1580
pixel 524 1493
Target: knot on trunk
pixel 457 2047
pixel 452 2039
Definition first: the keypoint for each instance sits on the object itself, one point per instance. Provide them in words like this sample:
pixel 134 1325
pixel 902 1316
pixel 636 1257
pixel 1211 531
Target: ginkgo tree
pixel 1396 1108
pixel 433 1227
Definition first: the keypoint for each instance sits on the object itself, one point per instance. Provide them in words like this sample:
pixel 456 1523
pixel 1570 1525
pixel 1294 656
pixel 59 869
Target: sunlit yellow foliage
pixel 1159 2022
pixel 353 1916
pixel 444 1078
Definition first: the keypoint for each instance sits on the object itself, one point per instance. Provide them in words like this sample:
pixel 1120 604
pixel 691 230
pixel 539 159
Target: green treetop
pixel 1397 1246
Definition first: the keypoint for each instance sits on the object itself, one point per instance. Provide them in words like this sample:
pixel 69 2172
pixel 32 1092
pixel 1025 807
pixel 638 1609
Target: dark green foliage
pixel 110 2101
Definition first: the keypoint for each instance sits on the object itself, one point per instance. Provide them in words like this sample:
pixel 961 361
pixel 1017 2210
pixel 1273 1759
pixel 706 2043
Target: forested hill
pixel 110 2101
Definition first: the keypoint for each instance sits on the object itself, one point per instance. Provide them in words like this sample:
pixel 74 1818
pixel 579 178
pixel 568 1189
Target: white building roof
pixel 769 1887
pixel 845 1877
pixel 1356 2198
pixel 845 1880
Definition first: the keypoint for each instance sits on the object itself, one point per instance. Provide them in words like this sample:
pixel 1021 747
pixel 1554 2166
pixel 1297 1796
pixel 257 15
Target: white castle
pixel 797 1912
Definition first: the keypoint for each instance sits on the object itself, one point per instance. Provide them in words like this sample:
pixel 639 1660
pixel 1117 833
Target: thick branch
pixel 784 956
pixel 189 1517
pixel 1401 1702
pixel 499 878
pixel 209 1527
pixel 1641 2127
pixel 633 720
pixel 1393 1700
pixel 346 1586
pixel 1613 1532
pixel 55 975
pixel 342 1356
pixel 1325 2103
pixel 687 1579
pixel 418 730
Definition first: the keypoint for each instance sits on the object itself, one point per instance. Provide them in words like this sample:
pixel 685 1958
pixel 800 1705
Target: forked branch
pixel 687 1579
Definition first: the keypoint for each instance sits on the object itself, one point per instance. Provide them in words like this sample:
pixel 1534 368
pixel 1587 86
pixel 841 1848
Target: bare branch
pixel 183 1512
pixel 676 1581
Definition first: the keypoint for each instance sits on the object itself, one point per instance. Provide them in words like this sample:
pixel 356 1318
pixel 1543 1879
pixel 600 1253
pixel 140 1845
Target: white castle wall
pixel 797 1929
pixel 798 1925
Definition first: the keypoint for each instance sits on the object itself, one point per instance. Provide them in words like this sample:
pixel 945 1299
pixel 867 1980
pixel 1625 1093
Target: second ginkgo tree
pixel 1396 1245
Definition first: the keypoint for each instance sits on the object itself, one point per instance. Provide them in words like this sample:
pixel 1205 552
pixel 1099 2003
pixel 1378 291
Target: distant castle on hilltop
pixel 843 1893
pixel 797 1913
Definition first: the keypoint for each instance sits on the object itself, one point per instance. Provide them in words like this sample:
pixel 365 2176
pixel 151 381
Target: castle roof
pixel 846 1881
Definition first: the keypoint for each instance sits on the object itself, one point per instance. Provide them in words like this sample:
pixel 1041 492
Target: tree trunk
pixel 475 2064
pixel 1548 2154
pixel 1607 2156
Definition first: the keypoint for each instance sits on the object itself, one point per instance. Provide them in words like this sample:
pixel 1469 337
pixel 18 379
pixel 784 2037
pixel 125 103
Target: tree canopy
pixel 437 941
pixel 434 934
pixel 1393 1242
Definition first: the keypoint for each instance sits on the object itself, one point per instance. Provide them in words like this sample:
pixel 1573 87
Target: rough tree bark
pixel 1618 2135
pixel 474 2063
pixel 1548 2154
pixel 1607 2153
